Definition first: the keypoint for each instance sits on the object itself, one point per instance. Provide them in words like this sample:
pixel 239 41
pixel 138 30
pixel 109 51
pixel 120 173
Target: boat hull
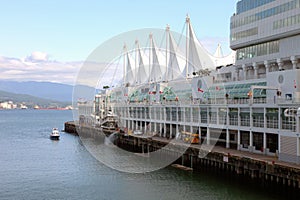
pixel 54 137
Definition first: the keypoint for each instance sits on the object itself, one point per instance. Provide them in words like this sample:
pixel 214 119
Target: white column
pixel 267 66
pixel 160 128
pixel 255 67
pixel 279 144
pixel 245 68
pixel 183 115
pixel 237 73
pixel 208 136
pixel 218 118
pixel 297 124
pixel 279 118
pixel 251 117
pixel 280 64
pixel 238 140
pixel 199 130
pixel 227 117
pixel 265 142
pixel 298 139
pixel 294 62
pixel 251 139
pixel 298 146
pixel 171 131
pixel 265 118
pixel 227 139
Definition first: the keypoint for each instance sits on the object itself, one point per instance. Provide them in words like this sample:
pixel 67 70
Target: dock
pixel 256 166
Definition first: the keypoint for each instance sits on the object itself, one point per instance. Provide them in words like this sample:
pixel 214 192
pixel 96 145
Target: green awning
pixel 235 91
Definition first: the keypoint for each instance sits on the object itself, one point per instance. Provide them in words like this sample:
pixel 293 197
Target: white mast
pixel 150 49
pixel 167 34
pixel 136 59
pixel 124 65
pixel 174 59
pixel 187 20
pixel 141 71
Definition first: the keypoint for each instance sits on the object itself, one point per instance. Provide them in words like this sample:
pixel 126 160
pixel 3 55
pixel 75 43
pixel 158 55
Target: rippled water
pixel 34 167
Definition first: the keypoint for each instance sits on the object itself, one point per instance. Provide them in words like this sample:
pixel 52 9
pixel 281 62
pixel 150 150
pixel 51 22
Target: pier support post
pixel 208 136
pixel 251 139
pixel 238 139
pixel 160 130
pixel 132 125
pixel 265 142
pixel 227 139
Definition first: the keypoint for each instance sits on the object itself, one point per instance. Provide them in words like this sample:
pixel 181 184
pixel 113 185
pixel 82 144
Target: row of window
pixel 245 5
pixel 243 34
pixel 266 13
pixel 258 50
pixel 286 22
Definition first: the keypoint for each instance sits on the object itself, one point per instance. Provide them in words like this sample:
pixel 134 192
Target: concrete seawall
pixel 264 168
pixel 70 127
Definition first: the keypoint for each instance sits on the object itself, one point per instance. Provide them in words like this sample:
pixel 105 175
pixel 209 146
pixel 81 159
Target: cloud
pixel 37 56
pixel 38 67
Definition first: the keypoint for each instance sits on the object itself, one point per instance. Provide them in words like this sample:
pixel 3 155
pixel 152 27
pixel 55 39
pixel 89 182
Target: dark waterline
pixel 34 167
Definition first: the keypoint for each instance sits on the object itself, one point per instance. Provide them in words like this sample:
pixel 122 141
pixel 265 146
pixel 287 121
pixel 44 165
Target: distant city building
pixel 8 105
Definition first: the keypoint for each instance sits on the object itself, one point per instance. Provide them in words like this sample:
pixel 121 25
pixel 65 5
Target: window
pixel 258 50
pixel 290 21
pixel 246 5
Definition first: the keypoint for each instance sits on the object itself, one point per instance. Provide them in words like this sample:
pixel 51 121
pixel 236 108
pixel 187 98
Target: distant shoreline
pixel 36 109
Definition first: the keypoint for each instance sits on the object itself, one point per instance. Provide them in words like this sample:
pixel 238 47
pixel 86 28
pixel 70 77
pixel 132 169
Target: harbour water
pixel 34 167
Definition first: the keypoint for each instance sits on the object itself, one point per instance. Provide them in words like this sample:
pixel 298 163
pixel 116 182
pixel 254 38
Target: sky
pixel 58 34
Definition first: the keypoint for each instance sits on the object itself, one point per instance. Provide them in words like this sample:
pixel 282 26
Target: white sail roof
pixel 219 52
pixel 129 75
pixel 142 66
pixel 156 64
pixel 198 57
pixel 175 61
pixel 219 59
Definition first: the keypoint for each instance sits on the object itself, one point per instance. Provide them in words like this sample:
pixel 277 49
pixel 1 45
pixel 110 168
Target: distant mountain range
pixel 44 90
pixel 30 101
